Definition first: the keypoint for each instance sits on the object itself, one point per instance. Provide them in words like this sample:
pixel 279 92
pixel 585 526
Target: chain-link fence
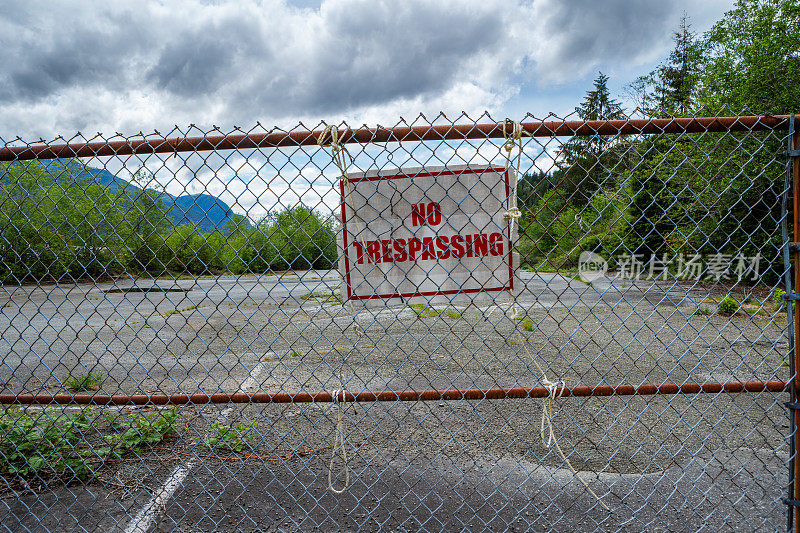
pixel 440 325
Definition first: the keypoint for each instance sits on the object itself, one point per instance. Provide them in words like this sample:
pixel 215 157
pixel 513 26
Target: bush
pixel 296 238
pixel 778 294
pixel 728 306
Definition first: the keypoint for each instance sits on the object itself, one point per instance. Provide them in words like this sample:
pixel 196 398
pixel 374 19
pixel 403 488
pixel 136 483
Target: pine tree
pixel 590 160
pixel 678 76
pixel 672 87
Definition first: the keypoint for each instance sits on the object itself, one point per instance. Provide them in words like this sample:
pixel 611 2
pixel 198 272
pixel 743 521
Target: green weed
pixel 778 295
pixel 702 311
pixel 326 297
pixel 424 311
pixel 171 312
pixel 728 306
pixel 454 314
pixel 230 438
pixel 49 445
pixel 90 381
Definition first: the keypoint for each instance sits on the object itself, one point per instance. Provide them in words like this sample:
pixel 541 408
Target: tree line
pixel 675 195
pixel 57 222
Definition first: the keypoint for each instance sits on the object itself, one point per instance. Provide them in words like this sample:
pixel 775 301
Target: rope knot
pixel 331 131
pixel 515 129
pixel 554 390
pixel 513 213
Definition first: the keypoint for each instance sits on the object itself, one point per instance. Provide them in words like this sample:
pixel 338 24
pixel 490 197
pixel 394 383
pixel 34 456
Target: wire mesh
pixel 210 330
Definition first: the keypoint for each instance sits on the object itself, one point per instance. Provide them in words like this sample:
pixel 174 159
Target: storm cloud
pixel 145 65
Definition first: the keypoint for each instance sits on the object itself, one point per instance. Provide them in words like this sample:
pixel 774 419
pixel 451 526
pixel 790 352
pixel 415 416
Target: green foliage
pixel 558 230
pixel 84 382
pixel 51 445
pixel 143 430
pixel 589 162
pixel 57 221
pixel 424 311
pixel 702 311
pixel 752 58
pixel 728 306
pixel 778 295
pixel 230 438
pixel 326 297
pixel 296 238
pixel 671 89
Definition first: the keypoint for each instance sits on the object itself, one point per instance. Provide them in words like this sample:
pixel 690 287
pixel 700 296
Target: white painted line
pixel 151 513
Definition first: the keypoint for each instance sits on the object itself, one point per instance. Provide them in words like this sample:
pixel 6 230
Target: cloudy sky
pixel 139 66
pixel 92 66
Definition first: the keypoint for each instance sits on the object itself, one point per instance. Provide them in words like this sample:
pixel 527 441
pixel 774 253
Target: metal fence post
pixel 795 172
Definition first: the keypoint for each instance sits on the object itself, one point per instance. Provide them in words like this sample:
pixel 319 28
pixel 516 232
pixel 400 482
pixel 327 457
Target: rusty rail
pixel 393 396
pixel 277 139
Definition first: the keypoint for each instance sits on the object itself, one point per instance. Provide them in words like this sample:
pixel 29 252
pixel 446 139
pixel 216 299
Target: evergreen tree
pixel 671 88
pixel 589 161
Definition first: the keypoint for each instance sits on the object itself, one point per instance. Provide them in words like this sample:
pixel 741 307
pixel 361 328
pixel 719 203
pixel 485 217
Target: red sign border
pixel 350 296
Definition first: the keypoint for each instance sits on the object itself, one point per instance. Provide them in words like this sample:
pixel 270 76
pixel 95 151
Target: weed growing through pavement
pixel 728 306
pixel 167 314
pixel 424 311
pixel 230 438
pixel 49 445
pixel 89 381
pixel 326 297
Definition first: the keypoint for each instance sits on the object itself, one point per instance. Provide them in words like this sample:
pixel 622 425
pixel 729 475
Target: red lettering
pixel 481 244
pixel 386 252
pixel 427 249
pixel 496 244
pixel 443 251
pixel 400 250
pixel 418 215
pixel 456 243
pixel 430 213
pixel 469 245
pixel 434 213
pixel 359 252
pixel 374 251
pixel 414 246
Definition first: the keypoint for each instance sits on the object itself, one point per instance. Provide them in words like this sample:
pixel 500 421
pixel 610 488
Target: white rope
pixel 342 159
pixel 339 443
pixel 554 389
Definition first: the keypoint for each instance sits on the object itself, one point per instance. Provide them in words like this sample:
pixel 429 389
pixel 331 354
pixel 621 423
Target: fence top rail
pixel 154 144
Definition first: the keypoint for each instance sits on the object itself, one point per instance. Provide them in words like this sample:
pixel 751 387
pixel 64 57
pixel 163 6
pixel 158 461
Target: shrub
pixel 728 306
pixel 778 294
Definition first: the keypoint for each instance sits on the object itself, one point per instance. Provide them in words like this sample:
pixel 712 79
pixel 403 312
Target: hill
pixel 206 211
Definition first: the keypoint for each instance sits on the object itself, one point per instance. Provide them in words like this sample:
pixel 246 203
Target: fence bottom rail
pixel 394 395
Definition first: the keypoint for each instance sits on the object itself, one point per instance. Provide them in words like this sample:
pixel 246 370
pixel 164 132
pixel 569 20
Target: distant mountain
pixel 204 210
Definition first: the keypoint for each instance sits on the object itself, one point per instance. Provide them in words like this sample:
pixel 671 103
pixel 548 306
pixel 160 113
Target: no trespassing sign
pixel 427 235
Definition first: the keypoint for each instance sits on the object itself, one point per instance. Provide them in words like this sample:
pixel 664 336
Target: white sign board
pixel 427 235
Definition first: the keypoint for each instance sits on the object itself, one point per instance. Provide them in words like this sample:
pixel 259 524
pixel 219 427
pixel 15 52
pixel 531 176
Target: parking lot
pixel 440 464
